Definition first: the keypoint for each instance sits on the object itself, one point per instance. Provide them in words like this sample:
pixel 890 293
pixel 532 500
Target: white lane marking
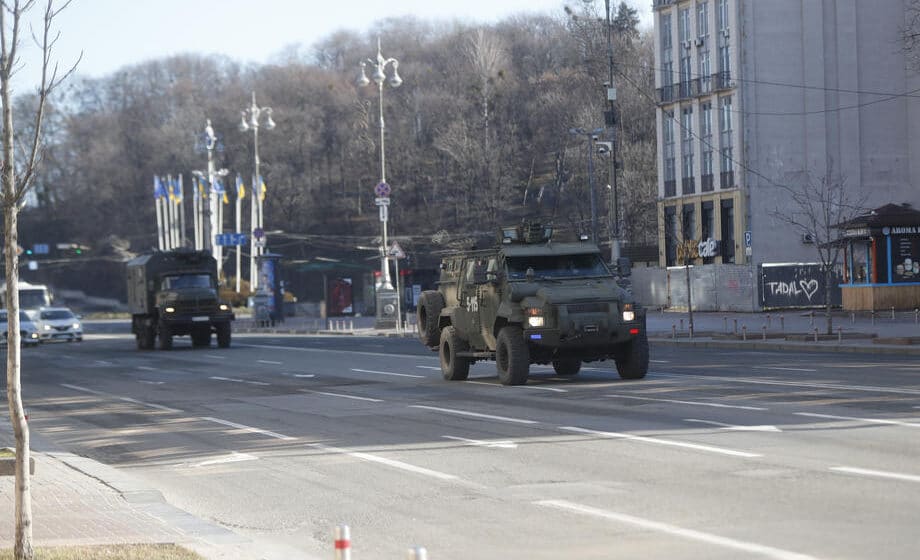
pixel 304 375
pixel 879 474
pixel 502 444
pixel 215 357
pixel 103 363
pixel 150 382
pixel 388 462
pixel 554 389
pixel 784 368
pixel 854 419
pixel 344 396
pixel 473 414
pixel 388 373
pixel 126 399
pixel 429 367
pixel 232 458
pixel 328 351
pixel 863 388
pixel 660 361
pixel 146 368
pixel 673 530
pixel 736 428
pixel 694 403
pixel 659 441
pixel 248 428
pixel 234 380
pixel 270 362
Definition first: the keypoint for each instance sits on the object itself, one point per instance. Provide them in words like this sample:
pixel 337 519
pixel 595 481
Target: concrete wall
pixel 722 287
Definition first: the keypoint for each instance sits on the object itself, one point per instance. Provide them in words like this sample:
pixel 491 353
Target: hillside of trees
pixel 478 135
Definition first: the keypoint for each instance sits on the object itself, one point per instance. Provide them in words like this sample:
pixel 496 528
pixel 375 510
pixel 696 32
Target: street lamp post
pixel 592 136
pixel 250 121
pixel 212 225
pixel 385 292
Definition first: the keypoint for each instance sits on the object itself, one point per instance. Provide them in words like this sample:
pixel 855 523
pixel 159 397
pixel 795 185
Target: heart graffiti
pixel 809 287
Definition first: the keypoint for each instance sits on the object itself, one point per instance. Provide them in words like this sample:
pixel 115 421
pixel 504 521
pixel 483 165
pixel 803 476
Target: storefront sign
pixel 905 258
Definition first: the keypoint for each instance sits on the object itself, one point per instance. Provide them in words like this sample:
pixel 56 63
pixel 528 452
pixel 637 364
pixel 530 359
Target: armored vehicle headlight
pixel 224 307
pixel 535 317
pixel 628 313
pixel 170 309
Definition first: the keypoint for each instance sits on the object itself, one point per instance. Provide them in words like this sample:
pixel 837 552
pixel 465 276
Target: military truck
pixel 530 300
pixel 175 293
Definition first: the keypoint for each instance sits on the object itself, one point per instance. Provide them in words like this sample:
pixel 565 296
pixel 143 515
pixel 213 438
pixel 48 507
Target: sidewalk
pixel 793 330
pixel 79 501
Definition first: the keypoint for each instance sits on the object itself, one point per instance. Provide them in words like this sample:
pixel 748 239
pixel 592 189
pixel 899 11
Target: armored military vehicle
pixel 530 300
pixel 175 293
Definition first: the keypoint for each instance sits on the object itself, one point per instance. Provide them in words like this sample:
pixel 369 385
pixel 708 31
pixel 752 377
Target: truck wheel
pixel 165 338
pixel 512 356
pixel 430 304
pixel 201 337
pixel 567 367
pixel 632 358
pixel 149 337
pixel 223 335
pixel 453 367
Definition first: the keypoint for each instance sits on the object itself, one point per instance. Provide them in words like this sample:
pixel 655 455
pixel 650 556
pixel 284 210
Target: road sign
pixel 258 233
pixel 41 249
pixel 748 238
pixel 396 251
pixel 225 239
pixel 384 214
pixel 381 201
pixel 382 190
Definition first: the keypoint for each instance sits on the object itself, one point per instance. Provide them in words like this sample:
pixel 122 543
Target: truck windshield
pixel 182 281
pixel 556 266
pixel 30 298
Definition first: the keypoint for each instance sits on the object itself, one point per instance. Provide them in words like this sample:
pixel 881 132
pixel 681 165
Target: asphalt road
pixel 716 454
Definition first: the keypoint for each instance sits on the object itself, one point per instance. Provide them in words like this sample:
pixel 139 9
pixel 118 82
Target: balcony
pixel 666 94
pixel 687 185
pixel 670 188
pixel 727 179
pixel 722 81
pixel 706 183
pixel 659 4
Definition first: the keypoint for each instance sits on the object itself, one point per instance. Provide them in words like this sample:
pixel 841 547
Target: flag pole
pixel 181 213
pixel 239 218
pixel 157 192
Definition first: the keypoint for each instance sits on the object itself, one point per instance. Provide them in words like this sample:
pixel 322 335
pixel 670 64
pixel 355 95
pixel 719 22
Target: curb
pixel 790 346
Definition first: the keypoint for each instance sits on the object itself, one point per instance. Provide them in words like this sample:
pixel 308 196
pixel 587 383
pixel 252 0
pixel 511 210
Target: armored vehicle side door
pixel 471 326
pixel 489 295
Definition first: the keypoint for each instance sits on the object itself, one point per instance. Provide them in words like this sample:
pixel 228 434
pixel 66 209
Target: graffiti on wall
pixel 795 285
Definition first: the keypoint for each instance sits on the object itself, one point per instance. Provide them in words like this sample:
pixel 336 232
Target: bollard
pixel 418 553
pixel 892 312
pixel 681 325
pixel 852 318
pixel 872 314
pixel 674 332
pixel 769 321
pixel 735 331
pixel 782 324
pixel 725 324
pixel 916 316
pixel 816 334
pixel 812 318
pixel 764 332
pixel 839 334
pixel 743 332
pixel 690 330
pixel 351 324
pixel 342 543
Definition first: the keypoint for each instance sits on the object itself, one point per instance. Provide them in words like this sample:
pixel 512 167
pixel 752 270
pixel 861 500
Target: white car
pixel 27 329
pixel 57 323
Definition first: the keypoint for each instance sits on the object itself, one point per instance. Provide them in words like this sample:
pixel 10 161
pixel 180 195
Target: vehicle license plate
pixel 199 319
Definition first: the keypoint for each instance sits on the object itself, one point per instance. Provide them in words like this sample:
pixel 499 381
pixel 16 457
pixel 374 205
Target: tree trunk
pixel 828 278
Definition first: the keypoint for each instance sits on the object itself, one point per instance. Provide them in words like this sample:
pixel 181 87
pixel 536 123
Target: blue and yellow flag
pixel 159 191
pixel 240 188
pixel 261 188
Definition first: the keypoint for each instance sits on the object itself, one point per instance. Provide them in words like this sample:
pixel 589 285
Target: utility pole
pixel 610 120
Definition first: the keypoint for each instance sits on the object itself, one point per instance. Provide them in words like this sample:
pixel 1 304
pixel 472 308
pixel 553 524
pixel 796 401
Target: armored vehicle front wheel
pixel 165 338
pixel 632 358
pixel 430 304
pixel 567 366
pixel 453 367
pixel 512 357
pixel 223 335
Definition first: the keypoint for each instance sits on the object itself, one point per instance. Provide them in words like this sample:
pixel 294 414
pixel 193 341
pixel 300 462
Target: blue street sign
pixel 40 249
pixel 747 238
pixel 225 239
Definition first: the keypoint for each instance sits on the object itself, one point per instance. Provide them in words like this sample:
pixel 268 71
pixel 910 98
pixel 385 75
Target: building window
pixel 706 183
pixel 707 224
pixel 724 77
pixel 728 231
pixel 722 17
pixel 683 24
pixel 702 20
pixel 670 235
pixel 688 222
pixel 727 161
pixel 667 137
pixel 705 70
pixel 686 151
pixel 667 59
pixel 685 68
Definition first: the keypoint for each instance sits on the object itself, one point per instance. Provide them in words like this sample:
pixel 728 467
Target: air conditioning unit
pixel 808 238
pixel 687 44
pixel 699 42
pixel 725 32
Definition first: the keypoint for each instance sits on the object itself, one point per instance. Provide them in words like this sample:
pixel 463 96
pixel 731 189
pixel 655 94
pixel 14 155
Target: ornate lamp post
pixel 387 300
pixel 211 223
pixel 250 121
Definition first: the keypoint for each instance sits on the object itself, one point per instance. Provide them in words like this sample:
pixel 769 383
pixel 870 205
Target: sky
pixel 115 33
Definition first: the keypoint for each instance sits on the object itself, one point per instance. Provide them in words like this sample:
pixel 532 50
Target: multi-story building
pixel 756 94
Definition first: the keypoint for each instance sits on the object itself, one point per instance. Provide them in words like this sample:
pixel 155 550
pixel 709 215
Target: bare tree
pixel 910 33
pixel 816 207
pixel 16 181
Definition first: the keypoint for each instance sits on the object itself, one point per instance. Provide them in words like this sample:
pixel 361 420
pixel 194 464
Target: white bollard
pixel 342 543
pixel 418 553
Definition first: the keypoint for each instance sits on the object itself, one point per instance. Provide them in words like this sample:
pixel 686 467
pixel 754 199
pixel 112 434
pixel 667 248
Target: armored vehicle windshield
pixel 556 266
